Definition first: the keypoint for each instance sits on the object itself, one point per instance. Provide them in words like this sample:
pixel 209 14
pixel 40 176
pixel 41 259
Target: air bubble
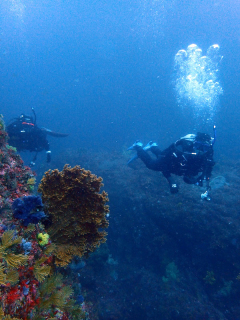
pixel 197 84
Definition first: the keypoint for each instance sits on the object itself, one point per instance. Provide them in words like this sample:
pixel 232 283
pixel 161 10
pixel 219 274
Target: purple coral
pixel 28 209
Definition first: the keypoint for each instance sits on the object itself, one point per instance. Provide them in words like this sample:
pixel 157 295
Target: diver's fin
pixel 132 159
pixel 54 134
pixel 146 148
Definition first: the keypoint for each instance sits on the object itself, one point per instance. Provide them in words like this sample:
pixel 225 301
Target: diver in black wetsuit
pixel 190 157
pixel 25 135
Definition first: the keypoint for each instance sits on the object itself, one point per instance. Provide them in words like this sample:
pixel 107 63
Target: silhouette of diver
pixel 191 157
pixel 25 135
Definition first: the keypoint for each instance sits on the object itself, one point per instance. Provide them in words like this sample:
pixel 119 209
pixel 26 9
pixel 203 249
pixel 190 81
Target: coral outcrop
pixel 152 230
pixel 27 271
pixel 77 210
pixel 13 174
pixel 28 210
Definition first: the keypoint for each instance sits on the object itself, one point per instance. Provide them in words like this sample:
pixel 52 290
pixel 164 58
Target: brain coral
pixel 77 210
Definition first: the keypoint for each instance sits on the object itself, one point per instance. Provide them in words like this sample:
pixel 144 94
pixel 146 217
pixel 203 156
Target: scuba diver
pixel 191 157
pixel 25 135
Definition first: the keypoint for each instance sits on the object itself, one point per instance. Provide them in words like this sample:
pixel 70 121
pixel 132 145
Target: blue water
pixel 103 72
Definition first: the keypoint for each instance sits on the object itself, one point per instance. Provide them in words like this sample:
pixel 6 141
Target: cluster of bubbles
pixel 150 17
pixel 18 8
pixel 196 80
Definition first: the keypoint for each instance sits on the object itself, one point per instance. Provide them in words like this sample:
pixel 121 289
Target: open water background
pixel 102 71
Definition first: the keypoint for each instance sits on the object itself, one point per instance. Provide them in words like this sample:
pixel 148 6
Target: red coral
pixel 13 175
pixel 19 300
pixel 13 295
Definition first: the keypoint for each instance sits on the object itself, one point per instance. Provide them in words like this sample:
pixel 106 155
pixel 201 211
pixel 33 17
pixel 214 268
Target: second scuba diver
pixel 25 135
pixel 191 157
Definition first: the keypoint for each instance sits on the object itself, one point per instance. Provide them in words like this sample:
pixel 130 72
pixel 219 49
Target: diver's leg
pixel 33 162
pixel 172 184
pixel 48 151
pixel 153 164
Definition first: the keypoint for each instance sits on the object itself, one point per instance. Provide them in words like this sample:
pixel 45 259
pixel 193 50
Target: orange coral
pixel 77 209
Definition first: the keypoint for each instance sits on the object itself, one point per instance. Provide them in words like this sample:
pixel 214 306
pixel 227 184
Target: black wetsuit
pixel 26 136
pixel 181 158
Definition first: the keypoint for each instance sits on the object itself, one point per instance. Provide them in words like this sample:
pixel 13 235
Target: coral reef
pixel 31 184
pixel 149 229
pixel 26 266
pixel 53 292
pixel 28 209
pixel 218 182
pixel 13 175
pixel 77 210
pixel 43 239
pixel 172 273
pixel 21 272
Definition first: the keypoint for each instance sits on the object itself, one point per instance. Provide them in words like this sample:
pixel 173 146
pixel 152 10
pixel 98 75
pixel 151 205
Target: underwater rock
pixel 217 182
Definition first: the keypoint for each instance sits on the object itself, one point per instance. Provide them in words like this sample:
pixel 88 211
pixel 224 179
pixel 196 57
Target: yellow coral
pixel 77 209
pixel 50 249
pixel 13 260
pixel 43 239
pixel 41 272
pixel 30 228
pixel 8 239
pixel 31 181
pixel 12 276
pixel 2 275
